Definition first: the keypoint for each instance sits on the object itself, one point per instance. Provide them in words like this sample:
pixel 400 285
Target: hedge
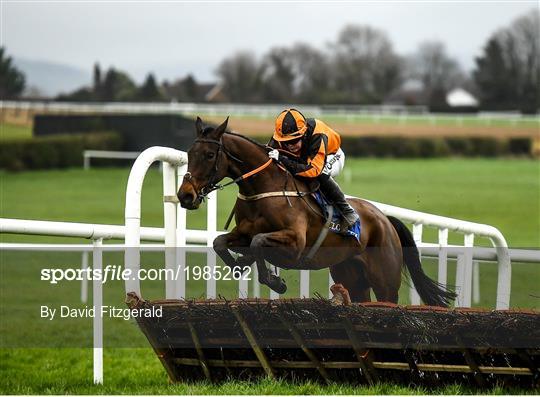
pixel 435 147
pixel 58 151
pixel 387 146
pixel 61 151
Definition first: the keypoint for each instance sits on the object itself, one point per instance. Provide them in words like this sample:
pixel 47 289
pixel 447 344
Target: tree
pixel 183 90
pixel 312 74
pixel 97 82
pixel 494 79
pixel 118 86
pixel 83 94
pixel 12 80
pixel 508 71
pixel 278 75
pixel 365 67
pixel 241 77
pixel 149 90
pixel 190 88
pixel 437 71
pixel 299 73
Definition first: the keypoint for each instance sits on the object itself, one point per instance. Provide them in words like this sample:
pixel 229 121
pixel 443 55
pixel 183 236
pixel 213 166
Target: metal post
pixel 243 287
pixel 97 260
pixel 467 270
pixel 460 280
pixel 443 256
pixel 304 283
pixel 330 283
pixel 132 256
pixel 417 235
pixel 86 161
pixel 211 226
pixel 476 283
pixel 169 223
pixel 504 280
pixel 84 282
pixel 256 285
pixel 181 240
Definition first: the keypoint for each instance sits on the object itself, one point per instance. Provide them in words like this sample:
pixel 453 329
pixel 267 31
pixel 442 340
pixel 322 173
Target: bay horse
pixel 280 229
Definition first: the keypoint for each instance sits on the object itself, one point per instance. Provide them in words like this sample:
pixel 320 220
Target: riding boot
pixel 333 193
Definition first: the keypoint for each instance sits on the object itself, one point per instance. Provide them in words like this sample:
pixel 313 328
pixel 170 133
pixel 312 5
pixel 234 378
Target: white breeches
pixel 334 163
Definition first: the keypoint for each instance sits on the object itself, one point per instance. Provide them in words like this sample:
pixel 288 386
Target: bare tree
pixel 365 66
pixel 240 76
pixel 437 71
pixel 312 74
pixel 299 73
pixel 278 75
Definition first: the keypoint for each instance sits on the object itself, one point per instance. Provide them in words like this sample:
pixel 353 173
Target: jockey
pixel 313 152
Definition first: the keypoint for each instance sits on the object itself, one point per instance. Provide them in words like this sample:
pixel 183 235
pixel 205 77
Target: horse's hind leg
pixel 350 273
pixel 383 272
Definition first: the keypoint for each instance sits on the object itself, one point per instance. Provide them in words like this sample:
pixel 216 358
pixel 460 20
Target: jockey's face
pixel 293 146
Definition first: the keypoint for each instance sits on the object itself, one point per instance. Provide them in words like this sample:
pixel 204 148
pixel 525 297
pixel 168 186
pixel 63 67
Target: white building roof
pixel 459 97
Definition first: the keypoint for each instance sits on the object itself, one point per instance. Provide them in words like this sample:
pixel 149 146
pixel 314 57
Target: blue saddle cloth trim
pixel 354 230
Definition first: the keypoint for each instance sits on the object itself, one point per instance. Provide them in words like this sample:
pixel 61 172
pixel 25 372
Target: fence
pixel 373 113
pixel 106 154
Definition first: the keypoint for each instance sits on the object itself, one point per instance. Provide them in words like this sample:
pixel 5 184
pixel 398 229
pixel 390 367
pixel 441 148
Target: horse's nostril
pixel 186 199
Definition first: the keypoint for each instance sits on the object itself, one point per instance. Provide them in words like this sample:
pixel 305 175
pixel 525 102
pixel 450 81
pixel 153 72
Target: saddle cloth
pixel 322 202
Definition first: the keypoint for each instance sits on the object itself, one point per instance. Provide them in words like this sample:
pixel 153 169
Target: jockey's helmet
pixel 290 124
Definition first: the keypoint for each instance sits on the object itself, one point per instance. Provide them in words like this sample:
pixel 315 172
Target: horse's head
pixel 207 165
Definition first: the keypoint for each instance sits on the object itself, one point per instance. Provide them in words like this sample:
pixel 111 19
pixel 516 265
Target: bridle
pixel 211 185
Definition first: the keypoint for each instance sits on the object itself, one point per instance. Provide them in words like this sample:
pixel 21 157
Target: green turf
pixel 12 131
pixel 504 193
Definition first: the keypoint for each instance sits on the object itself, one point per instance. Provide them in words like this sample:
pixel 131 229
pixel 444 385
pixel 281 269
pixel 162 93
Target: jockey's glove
pixel 274 154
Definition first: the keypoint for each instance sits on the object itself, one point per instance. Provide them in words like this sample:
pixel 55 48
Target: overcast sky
pixel 174 38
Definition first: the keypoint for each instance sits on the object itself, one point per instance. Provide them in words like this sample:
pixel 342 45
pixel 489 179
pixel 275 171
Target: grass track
pixel 13 131
pixel 504 193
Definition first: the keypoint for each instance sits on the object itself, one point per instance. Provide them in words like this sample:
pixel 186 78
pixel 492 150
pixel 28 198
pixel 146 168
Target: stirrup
pixel 344 226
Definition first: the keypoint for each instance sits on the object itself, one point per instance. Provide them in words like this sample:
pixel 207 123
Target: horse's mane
pixel 254 142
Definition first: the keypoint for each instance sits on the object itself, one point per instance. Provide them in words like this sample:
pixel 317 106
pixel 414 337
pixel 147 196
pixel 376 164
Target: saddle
pixel 330 213
pixel 334 216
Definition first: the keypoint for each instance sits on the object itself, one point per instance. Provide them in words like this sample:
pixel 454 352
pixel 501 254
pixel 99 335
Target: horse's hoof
pixel 341 295
pixel 277 284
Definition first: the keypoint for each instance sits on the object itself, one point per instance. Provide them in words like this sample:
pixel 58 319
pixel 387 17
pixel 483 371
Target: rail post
pixel 132 256
pixel 97 264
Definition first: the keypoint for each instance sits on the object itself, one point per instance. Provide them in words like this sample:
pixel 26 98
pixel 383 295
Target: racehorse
pixel 280 225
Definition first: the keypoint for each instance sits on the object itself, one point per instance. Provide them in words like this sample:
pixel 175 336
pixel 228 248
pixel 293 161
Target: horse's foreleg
pixel 265 245
pixel 235 242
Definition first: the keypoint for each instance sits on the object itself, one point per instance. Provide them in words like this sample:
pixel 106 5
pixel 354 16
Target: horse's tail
pixel 430 291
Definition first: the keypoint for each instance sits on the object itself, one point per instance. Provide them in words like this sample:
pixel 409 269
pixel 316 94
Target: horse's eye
pixel 210 155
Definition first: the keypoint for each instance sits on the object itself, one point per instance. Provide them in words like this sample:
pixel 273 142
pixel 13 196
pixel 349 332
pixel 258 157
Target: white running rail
pixel 107 154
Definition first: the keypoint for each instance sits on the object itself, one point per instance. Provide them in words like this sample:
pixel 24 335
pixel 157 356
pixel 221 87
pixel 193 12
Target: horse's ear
pixel 218 132
pixel 198 126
